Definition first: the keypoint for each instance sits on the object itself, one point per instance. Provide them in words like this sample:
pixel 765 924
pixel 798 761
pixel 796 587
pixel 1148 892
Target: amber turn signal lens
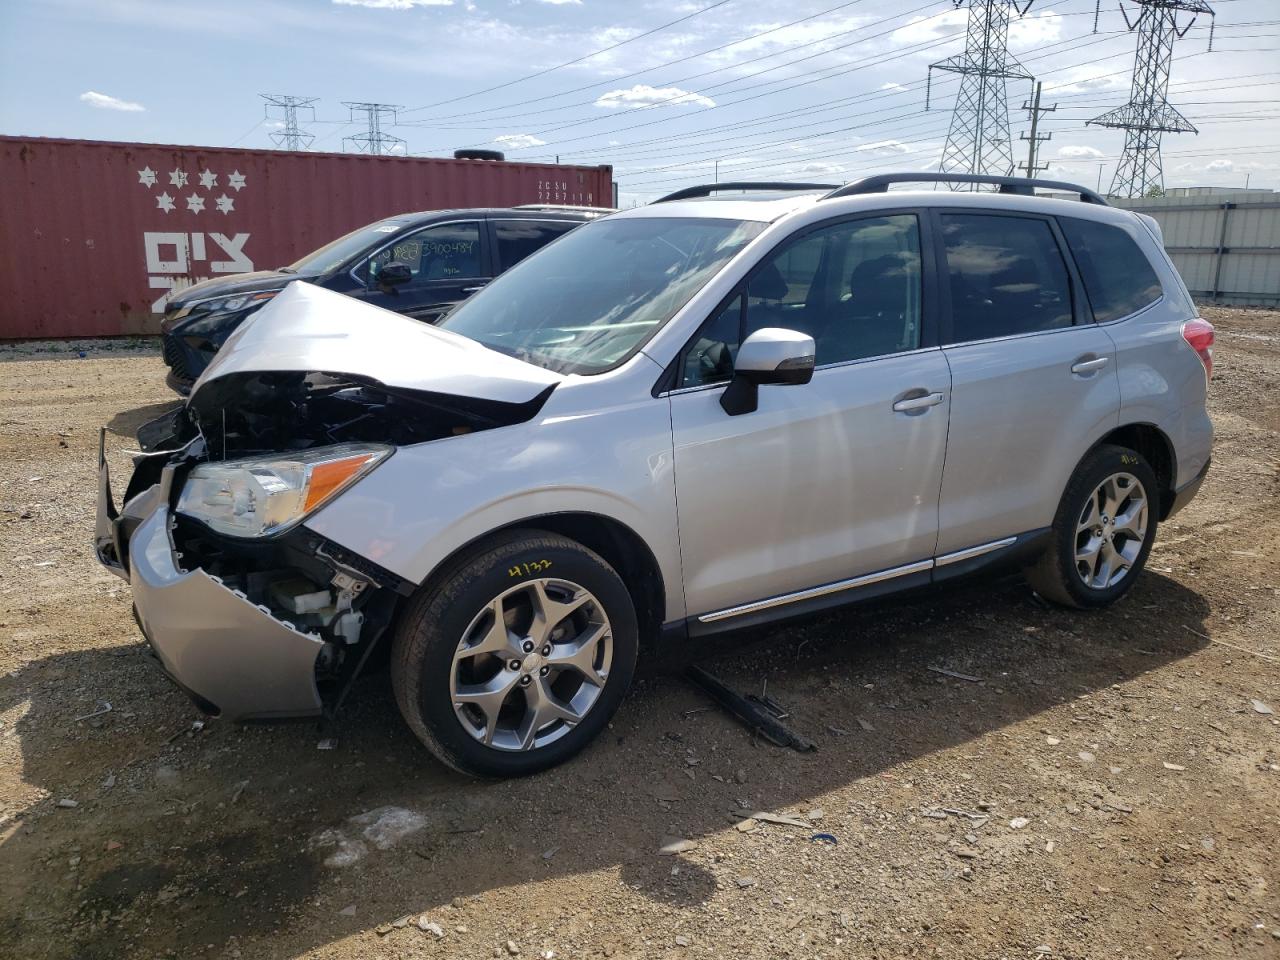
pixel 328 478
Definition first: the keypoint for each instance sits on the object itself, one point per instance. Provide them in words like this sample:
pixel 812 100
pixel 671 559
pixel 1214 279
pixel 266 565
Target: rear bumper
pixel 231 656
pixel 1184 494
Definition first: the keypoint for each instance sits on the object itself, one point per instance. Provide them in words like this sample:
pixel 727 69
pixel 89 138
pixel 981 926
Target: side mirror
pixel 394 274
pixel 770 355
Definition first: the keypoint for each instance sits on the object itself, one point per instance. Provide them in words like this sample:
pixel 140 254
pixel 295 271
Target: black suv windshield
pixel 337 252
pixel 585 302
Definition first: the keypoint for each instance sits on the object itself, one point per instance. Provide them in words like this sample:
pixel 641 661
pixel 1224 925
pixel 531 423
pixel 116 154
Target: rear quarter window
pixel 1118 278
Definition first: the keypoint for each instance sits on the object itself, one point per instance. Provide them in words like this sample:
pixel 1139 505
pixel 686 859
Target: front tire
pixel 517 658
pixel 1102 532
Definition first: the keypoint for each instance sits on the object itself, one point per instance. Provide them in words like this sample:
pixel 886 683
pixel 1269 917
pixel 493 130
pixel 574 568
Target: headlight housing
pixel 266 495
pixel 203 317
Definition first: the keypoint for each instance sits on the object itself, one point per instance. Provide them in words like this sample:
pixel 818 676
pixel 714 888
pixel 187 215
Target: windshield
pixel 338 252
pixel 583 303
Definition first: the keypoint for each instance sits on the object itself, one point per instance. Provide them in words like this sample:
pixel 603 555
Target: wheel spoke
pixel 488 697
pixel 550 612
pixel 580 654
pixel 497 639
pixel 1112 496
pixel 1091 515
pixel 542 707
pixel 1133 521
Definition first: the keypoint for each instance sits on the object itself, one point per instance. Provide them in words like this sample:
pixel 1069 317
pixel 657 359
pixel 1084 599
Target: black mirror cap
pixel 394 274
pixel 743 393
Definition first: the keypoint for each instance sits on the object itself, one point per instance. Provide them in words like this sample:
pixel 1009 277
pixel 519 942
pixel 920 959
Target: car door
pixel 513 238
pixel 830 480
pixel 1033 379
pixel 447 262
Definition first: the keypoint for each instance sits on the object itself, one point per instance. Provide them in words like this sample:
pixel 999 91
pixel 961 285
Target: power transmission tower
pixel 291 136
pixel 373 140
pixel 978 138
pixel 1148 114
pixel 1034 139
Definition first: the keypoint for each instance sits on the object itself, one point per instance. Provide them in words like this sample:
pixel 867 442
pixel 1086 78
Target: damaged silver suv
pixel 709 412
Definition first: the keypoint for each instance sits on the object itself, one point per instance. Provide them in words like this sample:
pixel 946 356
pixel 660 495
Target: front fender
pixel 431 499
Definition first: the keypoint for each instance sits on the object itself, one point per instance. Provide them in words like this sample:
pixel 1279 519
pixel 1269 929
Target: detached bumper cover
pixel 229 654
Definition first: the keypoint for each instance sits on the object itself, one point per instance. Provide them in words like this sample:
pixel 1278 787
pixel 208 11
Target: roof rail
pixel 707 189
pixel 880 182
pixel 563 208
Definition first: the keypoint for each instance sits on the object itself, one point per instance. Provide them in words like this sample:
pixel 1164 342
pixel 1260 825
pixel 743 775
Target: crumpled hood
pixel 307 329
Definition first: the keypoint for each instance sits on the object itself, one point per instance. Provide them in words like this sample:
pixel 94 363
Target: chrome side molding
pixel 853 582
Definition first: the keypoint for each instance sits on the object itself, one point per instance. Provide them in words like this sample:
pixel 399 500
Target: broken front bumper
pixel 231 656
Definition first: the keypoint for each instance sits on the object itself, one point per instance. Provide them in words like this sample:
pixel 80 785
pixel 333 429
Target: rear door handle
pixel 1088 366
pixel 917 403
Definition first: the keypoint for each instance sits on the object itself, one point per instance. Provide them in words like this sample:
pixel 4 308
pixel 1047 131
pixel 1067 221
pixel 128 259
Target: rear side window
pixel 1007 276
pixel 519 238
pixel 1117 276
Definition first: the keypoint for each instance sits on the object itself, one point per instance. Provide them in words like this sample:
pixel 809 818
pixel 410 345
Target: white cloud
pixel 817 167
pixel 1220 166
pixel 642 95
pixel 1079 153
pixel 518 140
pixel 576 3
pixel 393 4
pixel 892 86
pixel 1034 30
pixel 104 102
pixel 1028 31
pixel 884 146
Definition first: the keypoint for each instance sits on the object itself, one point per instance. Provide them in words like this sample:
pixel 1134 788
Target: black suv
pixel 418 264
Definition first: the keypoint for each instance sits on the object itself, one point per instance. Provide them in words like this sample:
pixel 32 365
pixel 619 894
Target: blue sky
pixel 839 94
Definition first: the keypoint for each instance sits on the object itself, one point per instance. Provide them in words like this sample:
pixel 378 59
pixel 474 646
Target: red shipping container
pixel 95 235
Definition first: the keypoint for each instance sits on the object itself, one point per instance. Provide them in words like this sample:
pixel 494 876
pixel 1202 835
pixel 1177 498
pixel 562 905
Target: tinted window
pixel 588 301
pixel 337 252
pixel 1006 274
pixel 1117 276
pixel 854 287
pixel 519 238
pixel 445 252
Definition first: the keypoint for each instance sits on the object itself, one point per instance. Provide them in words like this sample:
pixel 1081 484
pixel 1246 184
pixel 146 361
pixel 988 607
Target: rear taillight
pixel 1199 336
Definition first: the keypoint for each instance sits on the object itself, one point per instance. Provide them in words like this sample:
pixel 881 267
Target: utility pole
pixel 1035 139
pixel 373 140
pixel 290 136
pixel 978 139
pixel 1148 114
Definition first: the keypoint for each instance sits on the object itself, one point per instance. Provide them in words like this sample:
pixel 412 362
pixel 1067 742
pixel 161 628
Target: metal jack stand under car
pixel 760 714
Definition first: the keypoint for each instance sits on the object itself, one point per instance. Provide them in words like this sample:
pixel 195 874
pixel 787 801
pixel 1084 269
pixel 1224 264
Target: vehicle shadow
pixel 229 835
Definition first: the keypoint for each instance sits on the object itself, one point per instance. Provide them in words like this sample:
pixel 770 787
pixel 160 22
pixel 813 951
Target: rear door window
pixel 1007 276
pixel 518 238
pixel 1118 278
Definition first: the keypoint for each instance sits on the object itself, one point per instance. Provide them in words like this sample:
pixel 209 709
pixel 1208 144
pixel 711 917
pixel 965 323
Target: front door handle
pixel 912 404
pixel 1089 366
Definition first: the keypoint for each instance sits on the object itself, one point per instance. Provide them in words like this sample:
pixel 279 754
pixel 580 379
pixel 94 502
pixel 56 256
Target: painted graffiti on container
pixel 175 260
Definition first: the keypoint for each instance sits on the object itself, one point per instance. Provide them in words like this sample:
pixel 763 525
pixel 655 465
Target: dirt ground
pixel 1108 788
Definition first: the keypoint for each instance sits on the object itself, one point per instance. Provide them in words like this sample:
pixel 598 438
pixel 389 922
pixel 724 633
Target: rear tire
pixel 1102 533
pixel 508 697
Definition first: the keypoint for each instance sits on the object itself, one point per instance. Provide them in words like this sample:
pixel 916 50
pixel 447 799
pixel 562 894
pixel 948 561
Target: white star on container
pixel 235 180
pixel 225 204
pixel 208 179
pixel 165 202
pixel 195 203
pixel 147 177
pixel 178 178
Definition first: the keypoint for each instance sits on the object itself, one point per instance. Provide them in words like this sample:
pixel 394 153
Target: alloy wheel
pixel 531 664
pixel 1111 530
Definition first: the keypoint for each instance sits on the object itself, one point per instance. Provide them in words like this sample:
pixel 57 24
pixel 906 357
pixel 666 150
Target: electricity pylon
pixel 978 139
pixel 1148 114
pixel 291 136
pixel 373 140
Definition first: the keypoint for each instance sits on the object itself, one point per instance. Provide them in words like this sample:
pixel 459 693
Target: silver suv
pixel 676 420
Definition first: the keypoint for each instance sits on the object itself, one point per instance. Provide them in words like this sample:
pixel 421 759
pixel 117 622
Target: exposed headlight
pixel 253 498
pixel 219 306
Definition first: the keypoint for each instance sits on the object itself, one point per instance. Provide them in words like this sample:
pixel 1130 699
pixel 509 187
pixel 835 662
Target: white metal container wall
pixel 1247 271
